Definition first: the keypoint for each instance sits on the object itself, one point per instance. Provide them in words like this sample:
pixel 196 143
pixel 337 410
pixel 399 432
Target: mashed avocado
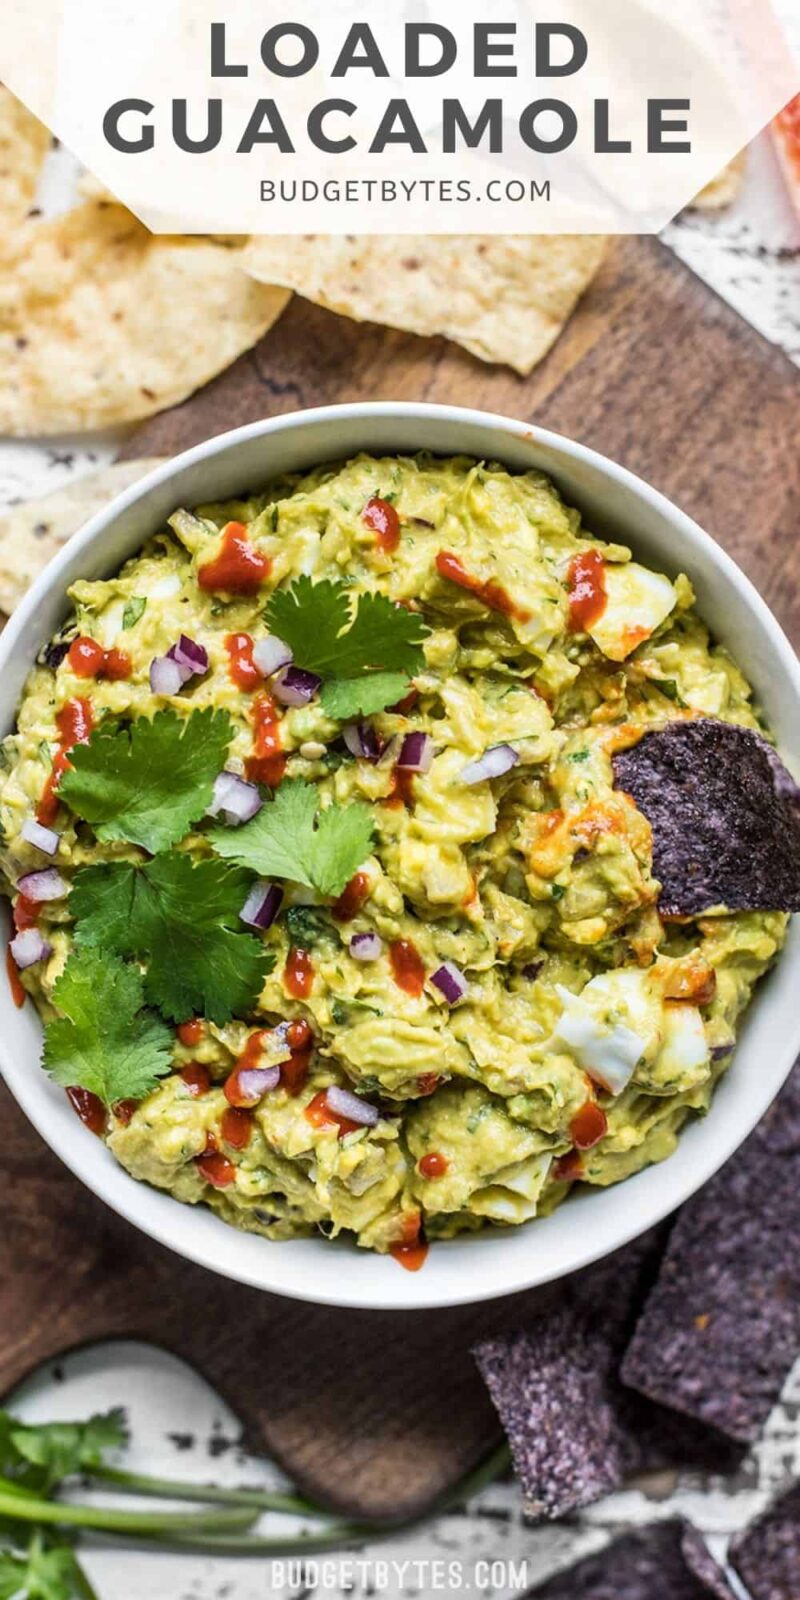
pixel 521 1017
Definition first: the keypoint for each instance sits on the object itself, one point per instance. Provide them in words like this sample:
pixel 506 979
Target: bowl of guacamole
pixel 338 955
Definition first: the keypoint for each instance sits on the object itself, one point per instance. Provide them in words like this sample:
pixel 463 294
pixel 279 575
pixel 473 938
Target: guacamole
pixel 490 1009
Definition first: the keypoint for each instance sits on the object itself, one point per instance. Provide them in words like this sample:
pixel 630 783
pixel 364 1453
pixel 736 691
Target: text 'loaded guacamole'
pixel 321 881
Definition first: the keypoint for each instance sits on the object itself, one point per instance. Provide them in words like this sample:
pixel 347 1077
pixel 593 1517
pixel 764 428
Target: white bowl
pixel 614 503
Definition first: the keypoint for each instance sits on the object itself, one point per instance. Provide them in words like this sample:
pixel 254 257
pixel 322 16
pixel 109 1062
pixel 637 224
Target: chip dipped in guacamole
pixel 336 915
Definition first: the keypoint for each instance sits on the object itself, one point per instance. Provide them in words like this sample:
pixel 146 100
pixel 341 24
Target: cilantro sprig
pixel 365 657
pixel 292 838
pixel 41 1455
pixel 104 1040
pixel 147 783
pixel 183 921
pixel 42 1574
pixel 38 1529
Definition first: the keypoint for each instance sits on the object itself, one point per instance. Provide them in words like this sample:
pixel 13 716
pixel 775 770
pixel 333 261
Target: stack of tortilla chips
pixel 102 322
pixel 675 1352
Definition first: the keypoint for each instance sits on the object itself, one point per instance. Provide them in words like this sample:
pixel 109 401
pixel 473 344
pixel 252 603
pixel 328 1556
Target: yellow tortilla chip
pixel 102 322
pixel 24 143
pixel 504 297
pixel 725 188
pixel 31 533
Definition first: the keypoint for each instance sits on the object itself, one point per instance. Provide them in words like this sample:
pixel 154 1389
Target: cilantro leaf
pixel 43 1573
pixel 58 1450
pixel 147 783
pixel 135 608
pixel 343 698
pixel 54 1573
pixel 290 838
pixel 374 649
pixel 183 921
pixel 104 1041
pixel 309 618
pixel 13 1576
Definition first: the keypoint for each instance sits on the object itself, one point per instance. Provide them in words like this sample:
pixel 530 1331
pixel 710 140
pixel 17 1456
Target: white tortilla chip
pixel 24 143
pixel 725 188
pixel 102 322
pixel 31 533
pixel 504 297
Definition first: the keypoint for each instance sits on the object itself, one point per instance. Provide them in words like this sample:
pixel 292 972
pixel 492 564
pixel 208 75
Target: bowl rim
pixel 412 1294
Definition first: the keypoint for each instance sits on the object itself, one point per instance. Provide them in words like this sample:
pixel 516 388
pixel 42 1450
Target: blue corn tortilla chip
pixel 725 815
pixel 575 1432
pixel 721 1328
pixel 664 1561
pixel 767 1556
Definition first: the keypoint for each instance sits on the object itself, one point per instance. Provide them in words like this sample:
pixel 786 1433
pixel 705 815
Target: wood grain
pixel 379 1413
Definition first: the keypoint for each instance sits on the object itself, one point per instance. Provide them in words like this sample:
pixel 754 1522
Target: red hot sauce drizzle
pixel 320 1115
pixel 568 1168
pixel 300 1040
pixel 410 1251
pixel 250 1060
pixel 197 1078
pixel 351 898
pixel 238 569
pixel 428 1082
pixel 433 1165
pixel 587 590
pixel 242 669
pixel 490 592
pixel 237 1126
pixel 87 659
pixel 25 913
pixel 14 981
pixel 267 764
pixel 191 1033
pixel 588 1126
pixel 298 974
pixel 407 968
pixel 381 516
pixel 89 1108
pixel 402 790
pixel 74 722
pixel 214 1166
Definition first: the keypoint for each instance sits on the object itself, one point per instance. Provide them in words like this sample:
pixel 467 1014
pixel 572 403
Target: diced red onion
pixel 492 764
pixel 45 839
pixel 366 946
pixel 234 799
pixel 416 752
pixel 45 885
pixel 167 676
pixel 351 1106
pixel 294 687
pixel 29 947
pixel 253 1082
pixel 262 904
pixel 450 982
pixel 271 654
pixel 362 741
pixel 189 655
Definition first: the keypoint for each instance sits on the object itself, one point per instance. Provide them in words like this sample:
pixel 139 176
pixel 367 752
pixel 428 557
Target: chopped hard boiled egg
pixel 610 1025
pixel 637 602
pixel 685 1048
pixel 621 1020
pixel 513 1194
